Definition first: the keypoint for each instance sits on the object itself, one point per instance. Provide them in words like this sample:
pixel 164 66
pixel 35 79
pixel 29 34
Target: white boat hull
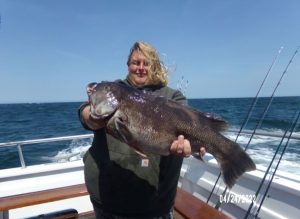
pixel 282 200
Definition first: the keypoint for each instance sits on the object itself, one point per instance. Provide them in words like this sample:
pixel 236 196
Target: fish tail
pixel 235 164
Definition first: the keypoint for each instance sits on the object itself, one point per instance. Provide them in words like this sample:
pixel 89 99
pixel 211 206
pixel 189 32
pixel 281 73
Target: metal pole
pixel 21 156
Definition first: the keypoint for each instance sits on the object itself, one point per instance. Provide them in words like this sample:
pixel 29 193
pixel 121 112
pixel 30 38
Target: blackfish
pixel 150 123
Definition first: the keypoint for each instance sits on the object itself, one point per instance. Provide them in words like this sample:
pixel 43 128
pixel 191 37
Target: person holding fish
pixel 125 182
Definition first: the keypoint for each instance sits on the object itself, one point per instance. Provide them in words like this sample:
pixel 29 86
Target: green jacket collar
pixel 146 87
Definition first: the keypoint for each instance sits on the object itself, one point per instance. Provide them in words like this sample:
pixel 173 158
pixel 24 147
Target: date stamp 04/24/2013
pixel 236 198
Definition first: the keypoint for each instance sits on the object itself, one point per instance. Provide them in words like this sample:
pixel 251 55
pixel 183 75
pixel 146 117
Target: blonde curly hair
pixel 157 73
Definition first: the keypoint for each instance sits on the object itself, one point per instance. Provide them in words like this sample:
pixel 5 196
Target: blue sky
pixel 49 50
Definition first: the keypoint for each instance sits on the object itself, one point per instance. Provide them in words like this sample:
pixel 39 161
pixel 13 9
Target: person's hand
pixel 89 89
pixel 94 124
pixel 202 151
pixel 182 147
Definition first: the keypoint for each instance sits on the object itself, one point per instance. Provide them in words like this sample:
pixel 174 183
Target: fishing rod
pixel 259 124
pixel 245 122
pixel 262 119
pixel 271 98
pixel 294 125
pixel 268 168
pixel 182 86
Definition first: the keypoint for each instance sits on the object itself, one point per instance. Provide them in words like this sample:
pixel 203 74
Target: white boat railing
pixel 266 133
pixel 19 144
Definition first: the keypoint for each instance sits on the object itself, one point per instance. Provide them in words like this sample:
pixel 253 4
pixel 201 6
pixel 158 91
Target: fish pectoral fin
pixel 122 130
pixel 126 135
pixel 141 153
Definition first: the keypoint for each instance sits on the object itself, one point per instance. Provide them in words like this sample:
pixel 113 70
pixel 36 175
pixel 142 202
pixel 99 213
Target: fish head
pixel 104 100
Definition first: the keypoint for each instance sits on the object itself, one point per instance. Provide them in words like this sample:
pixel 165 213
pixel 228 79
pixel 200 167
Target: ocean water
pixel 44 120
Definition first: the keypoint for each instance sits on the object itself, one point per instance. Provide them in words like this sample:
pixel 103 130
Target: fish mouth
pixel 99 117
pixel 103 117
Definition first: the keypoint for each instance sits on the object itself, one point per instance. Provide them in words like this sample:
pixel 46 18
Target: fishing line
pixel 260 122
pixel 245 122
pixel 294 125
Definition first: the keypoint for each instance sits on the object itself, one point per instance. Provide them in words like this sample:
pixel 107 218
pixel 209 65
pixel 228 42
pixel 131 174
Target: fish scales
pixel 150 123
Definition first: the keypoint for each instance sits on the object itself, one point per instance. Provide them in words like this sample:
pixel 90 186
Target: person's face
pixel 138 69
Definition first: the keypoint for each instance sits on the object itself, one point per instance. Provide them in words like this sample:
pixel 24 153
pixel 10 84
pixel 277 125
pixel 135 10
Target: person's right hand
pixel 182 147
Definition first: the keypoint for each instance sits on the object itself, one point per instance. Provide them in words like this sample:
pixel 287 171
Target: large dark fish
pixel 150 123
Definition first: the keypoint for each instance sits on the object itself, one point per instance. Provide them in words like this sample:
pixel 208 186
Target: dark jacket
pixel 122 182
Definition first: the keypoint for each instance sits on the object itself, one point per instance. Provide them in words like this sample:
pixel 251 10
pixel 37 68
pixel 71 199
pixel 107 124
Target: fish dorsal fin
pixel 217 122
